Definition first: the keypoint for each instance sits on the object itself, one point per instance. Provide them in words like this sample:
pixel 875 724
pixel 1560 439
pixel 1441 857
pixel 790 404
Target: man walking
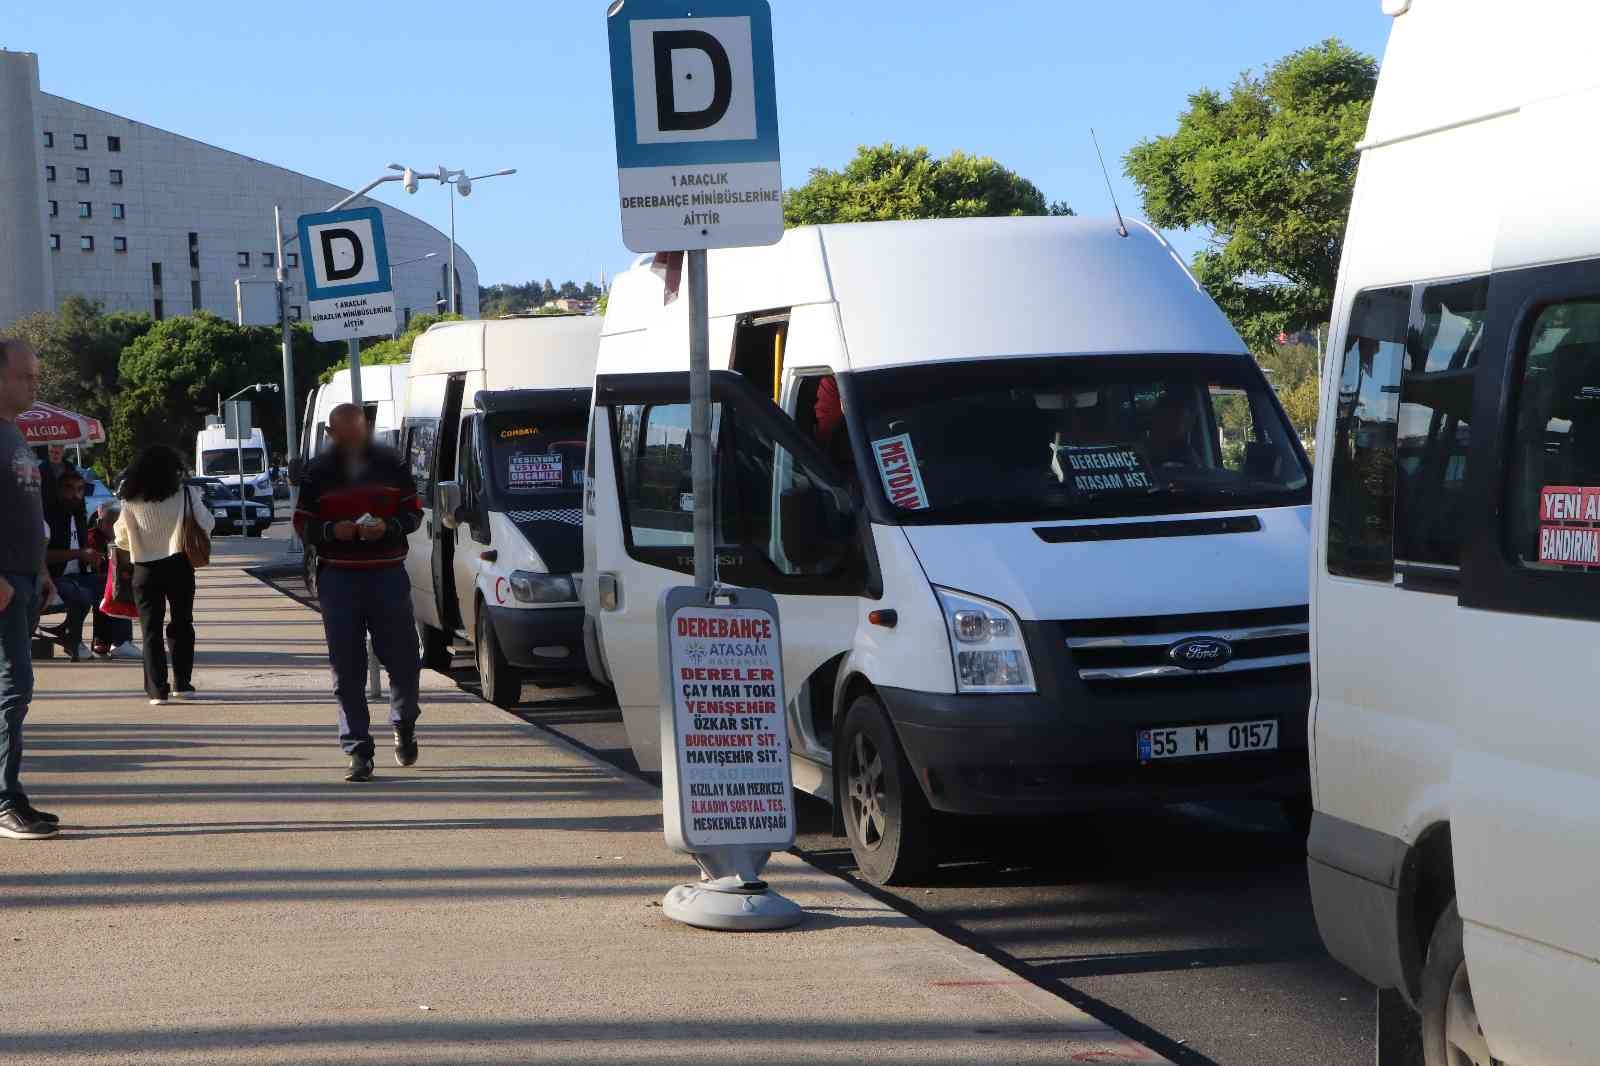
pixel 22 586
pixel 358 504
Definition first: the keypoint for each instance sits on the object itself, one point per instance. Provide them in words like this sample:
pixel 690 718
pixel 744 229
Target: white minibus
pixel 217 455
pixel 383 396
pixel 1036 523
pixel 1454 854
pixel 494 424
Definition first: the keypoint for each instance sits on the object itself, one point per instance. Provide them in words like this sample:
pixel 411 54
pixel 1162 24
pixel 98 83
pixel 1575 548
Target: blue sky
pixel 340 89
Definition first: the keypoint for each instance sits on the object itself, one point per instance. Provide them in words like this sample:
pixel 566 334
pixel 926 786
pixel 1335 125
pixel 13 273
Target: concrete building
pixel 101 206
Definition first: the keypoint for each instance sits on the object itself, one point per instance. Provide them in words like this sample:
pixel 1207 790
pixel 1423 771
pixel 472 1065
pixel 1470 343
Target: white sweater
pixel 150 531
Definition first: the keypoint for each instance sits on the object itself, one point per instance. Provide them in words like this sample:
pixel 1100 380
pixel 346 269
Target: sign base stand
pixel 732 904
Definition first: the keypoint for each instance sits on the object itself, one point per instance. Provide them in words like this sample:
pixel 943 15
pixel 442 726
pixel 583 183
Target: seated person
pixel 112 635
pixel 71 561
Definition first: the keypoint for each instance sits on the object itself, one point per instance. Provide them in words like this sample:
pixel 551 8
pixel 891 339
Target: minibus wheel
pixel 435 649
pixel 501 682
pixel 886 817
pixel 1451 1035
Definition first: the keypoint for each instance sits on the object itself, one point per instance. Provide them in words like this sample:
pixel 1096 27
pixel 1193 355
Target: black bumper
pixel 1355 876
pixel 521 631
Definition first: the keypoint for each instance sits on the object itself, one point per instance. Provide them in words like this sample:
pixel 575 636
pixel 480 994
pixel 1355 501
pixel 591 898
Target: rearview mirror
pixel 449 503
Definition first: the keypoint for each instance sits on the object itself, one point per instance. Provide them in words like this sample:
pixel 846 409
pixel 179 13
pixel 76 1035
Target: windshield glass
pixel 536 460
pixel 1080 437
pixel 220 463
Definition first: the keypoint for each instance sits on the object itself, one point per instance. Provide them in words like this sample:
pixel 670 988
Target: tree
pixel 79 350
pixel 1269 170
pixel 889 182
pixel 548 293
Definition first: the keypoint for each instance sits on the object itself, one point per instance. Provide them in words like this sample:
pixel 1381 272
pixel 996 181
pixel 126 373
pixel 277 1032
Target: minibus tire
pixel 1446 995
pixel 892 839
pixel 500 682
pixel 435 648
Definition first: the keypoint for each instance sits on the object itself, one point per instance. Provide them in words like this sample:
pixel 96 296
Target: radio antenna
pixel 1122 227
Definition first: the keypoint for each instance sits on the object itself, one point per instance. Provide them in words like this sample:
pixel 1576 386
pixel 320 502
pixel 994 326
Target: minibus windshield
pixel 226 463
pixel 535 461
pixel 1075 437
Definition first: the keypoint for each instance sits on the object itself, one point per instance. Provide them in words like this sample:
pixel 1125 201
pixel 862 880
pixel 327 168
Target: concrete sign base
pixel 731 905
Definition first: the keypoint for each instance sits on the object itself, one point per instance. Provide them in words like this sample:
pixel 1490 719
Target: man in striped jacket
pixel 358 504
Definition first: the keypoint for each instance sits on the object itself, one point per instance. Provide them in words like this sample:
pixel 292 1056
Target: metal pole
pixel 705 575
pixel 291 434
pixel 449 191
pixel 238 458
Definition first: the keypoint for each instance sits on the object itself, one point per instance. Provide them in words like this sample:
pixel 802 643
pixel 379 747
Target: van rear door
pixel 784 523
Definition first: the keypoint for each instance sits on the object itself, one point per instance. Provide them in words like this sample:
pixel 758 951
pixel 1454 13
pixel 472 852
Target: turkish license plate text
pixel 1189 741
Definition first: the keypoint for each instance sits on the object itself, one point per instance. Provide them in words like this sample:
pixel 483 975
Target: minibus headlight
pixel 529 587
pixel 986 640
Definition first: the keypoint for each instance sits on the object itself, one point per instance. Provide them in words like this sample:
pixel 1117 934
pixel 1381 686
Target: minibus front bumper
pixel 545 640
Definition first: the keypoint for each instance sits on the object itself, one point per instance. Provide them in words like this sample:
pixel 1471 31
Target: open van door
pixel 785 522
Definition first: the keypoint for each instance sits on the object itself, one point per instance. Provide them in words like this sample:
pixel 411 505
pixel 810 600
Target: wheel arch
pixel 1427 886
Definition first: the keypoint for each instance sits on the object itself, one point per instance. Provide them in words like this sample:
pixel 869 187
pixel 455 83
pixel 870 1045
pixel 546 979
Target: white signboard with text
pixel 349 293
pixel 725 742
pixel 696 107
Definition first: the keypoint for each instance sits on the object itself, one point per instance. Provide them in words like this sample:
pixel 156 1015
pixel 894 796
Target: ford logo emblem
pixel 1200 653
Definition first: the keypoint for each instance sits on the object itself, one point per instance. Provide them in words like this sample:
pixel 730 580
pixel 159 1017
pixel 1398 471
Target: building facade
pixel 96 205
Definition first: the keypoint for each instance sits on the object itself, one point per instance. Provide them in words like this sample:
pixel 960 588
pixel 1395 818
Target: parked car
pixel 226 508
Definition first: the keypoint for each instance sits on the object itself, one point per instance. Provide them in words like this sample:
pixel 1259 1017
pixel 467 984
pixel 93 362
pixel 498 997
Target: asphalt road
pixel 1189 928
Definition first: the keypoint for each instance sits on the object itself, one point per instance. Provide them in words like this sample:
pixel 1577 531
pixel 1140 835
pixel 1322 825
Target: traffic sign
pixel 349 293
pixel 696 107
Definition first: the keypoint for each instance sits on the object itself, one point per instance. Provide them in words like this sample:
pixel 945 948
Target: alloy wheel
pixel 865 783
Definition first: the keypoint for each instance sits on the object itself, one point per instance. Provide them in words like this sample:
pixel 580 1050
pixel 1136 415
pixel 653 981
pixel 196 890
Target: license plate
pixel 1191 741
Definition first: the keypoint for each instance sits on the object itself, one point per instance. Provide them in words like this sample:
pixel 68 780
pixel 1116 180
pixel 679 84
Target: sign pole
pixel 291 441
pixel 705 570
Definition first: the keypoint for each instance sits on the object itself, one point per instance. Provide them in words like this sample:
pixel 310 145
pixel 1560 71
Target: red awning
pixel 45 423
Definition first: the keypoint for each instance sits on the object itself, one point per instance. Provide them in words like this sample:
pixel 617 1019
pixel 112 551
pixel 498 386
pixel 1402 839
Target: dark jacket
pixel 330 493
pixel 61 523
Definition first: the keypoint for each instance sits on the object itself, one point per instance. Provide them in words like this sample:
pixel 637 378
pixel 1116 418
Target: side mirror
pixel 810 526
pixel 449 503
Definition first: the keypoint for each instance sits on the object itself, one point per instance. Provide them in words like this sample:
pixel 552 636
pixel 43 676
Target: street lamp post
pixel 463 184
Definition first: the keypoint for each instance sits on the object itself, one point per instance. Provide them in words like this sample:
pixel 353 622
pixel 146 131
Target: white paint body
pixel 863 297
pixel 212 439
pixel 383 392
pixel 1425 713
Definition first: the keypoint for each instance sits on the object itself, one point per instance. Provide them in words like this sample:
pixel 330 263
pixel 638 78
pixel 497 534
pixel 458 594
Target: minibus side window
pixel 1361 496
pixel 652 445
pixel 1553 483
pixel 1436 389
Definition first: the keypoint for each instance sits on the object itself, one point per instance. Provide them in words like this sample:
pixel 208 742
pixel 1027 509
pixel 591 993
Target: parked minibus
pixel 1021 568
pixel 1454 854
pixel 217 455
pixel 494 428
pixel 383 391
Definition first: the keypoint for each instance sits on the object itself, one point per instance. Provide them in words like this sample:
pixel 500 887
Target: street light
pixel 410 180
pixel 238 440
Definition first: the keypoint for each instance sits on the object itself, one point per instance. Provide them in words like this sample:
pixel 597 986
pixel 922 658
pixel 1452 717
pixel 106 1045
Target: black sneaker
pixel 405 746
pixel 35 813
pixel 360 768
pixel 18 823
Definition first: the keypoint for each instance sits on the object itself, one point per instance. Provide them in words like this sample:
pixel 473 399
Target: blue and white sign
pixel 349 292
pixel 696 106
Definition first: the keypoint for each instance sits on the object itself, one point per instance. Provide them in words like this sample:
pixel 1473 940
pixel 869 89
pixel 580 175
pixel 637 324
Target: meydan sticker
pixel 897 466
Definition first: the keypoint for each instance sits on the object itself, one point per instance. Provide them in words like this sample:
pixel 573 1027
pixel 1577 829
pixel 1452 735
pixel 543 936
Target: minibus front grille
pixel 1138 649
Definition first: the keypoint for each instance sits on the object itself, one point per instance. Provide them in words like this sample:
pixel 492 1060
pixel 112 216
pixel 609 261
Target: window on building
pixel 55 242
pixel 1361 497
pixel 113 144
pixel 86 243
pixel 83 175
pixel 55 209
pixel 119 211
pixel 244 259
pixel 50 173
pixel 194 293
pixel 194 251
pixel 49 139
pixel 80 141
pixel 85 209
pixel 157 310
pixel 155 274
pixel 291 260
pixel 269 260
pixel 119 244
pixel 116 177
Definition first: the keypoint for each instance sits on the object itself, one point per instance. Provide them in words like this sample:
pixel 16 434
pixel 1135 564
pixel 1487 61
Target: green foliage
pixel 1270 171
pixel 172 375
pixel 391 351
pixel 497 301
pixel 890 182
pixel 79 349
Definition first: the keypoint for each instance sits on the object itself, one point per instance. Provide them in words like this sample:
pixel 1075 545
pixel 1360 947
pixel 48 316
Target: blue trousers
pixel 354 604
pixel 16 681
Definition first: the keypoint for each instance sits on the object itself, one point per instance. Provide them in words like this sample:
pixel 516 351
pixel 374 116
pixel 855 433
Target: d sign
pixel 697 124
pixel 349 293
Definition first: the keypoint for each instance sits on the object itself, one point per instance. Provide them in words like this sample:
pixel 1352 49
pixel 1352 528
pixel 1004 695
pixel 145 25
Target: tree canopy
pixel 1269 170
pixel 889 182
pixel 79 349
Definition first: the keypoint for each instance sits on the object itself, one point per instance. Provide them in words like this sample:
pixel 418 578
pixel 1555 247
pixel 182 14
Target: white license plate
pixel 1190 741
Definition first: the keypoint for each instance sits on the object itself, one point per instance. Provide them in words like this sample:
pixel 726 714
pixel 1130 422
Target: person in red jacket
pixel 358 504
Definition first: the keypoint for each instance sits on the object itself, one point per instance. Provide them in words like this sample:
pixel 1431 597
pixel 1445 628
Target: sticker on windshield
pixel 1101 468
pixel 534 471
pixel 897 466
pixel 1569 526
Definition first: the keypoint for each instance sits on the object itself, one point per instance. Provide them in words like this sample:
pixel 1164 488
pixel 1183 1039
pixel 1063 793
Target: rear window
pixel 532 456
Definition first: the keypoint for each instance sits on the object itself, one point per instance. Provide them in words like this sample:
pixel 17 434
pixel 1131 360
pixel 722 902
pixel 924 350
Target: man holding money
pixel 358 504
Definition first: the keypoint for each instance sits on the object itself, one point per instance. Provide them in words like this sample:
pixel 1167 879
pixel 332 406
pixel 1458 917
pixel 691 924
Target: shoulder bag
pixel 196 541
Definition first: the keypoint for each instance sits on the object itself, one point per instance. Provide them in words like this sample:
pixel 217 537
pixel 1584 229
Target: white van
pixel 217 455
pixel 1456 755
pixel 1052 559
pixel 383 397
pixel 494 430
